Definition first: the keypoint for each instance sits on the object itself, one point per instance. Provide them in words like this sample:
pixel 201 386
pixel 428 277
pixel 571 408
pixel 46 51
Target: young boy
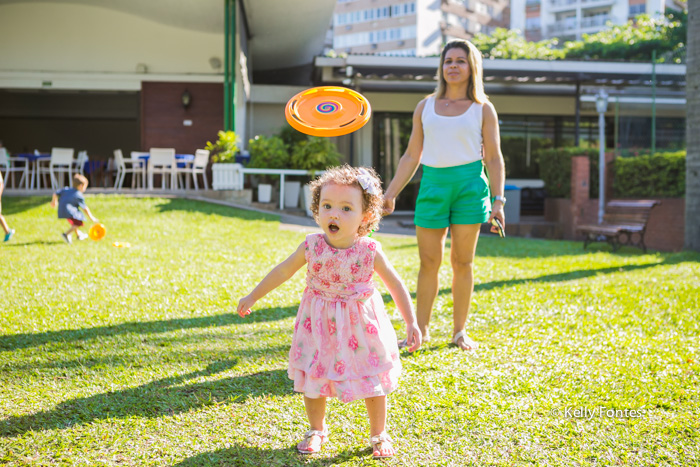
pixel 70 201
pixel 8 232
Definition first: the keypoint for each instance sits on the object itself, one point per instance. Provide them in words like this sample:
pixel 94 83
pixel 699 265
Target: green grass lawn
pixel 135 356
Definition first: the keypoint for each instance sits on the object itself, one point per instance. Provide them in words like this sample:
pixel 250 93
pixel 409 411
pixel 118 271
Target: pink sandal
pixel 312 447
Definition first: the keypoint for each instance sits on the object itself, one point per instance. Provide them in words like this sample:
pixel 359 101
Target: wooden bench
pixel 624 223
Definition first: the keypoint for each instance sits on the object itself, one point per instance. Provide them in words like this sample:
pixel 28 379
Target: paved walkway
pixel 296 219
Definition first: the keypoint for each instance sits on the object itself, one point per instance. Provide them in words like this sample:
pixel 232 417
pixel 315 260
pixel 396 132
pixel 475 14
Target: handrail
pixel 281 172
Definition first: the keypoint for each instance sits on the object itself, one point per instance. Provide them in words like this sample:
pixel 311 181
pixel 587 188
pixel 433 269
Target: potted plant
pixel 267 153
pixel 225 175
pixel 314 154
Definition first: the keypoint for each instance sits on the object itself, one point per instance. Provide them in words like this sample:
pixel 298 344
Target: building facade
pixel 413 27
pixel 106 75
pixel 570 19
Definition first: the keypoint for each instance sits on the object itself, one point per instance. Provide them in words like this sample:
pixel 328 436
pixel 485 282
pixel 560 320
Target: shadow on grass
pixel 518 247
pixel 15 205
pixel 161 398
pixel 144 359
pixel 24 340
pixel 571 275
pixel 559 277
pixel 37 242
pixel 491 246
pixel 190 205
pixel 242 455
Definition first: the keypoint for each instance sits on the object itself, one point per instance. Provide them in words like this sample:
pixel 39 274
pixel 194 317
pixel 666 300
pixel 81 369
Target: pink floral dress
pixel 344 344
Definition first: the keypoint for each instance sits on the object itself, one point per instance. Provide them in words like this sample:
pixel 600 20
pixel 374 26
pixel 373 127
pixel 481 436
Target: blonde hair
pixel 372 204
pixel 475 86
pixel 79 180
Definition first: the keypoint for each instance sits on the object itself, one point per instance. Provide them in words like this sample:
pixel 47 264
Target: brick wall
pixel 665 229
pixel 163 116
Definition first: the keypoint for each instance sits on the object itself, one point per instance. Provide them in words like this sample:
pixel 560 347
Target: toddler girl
pixel 343 344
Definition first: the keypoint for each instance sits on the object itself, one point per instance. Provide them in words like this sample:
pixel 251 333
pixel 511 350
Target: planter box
pixel 227 176
pixel 291 194
pixel 307 200
pixel 264 193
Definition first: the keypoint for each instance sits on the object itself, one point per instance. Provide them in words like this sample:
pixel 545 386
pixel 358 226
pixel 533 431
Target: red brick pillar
pixel 580 187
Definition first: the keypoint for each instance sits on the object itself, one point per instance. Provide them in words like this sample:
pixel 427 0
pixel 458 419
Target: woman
pixel 455 135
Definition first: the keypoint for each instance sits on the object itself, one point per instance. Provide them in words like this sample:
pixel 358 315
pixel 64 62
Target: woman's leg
pixel 431 247
pixel 316 413
pixel 464 239
pixel 376 410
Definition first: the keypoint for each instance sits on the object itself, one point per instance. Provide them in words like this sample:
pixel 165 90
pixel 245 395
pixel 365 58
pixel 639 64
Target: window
pixel 403 9
pixel 399 53
pixel 373 14
pixel 638 9
pixel 533 23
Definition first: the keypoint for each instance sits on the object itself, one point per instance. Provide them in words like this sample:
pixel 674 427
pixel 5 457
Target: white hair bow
pixel 365 180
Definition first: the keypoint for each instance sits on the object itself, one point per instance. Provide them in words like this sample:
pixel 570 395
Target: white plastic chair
pixel 124 166
pixel 79 163
pixel 61 162
pixel 199 166
pixel 196 166
pixel 162 161
pixel 140 178
pixel 9 168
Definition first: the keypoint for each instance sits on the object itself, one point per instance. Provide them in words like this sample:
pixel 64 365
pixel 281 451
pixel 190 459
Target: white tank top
pixel 451 141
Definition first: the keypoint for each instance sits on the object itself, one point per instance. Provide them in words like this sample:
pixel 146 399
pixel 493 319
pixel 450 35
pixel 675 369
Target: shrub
pixel 291 137
pixel 315 153
pixel 555 170
pixel 225 148
pixel 660 175
pixel 514 149
pixel 268 153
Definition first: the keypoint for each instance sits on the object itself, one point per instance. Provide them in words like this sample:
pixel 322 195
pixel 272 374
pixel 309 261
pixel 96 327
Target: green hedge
pixel 514 149
pixel 555 170
pixel 646 176
pixel 660 175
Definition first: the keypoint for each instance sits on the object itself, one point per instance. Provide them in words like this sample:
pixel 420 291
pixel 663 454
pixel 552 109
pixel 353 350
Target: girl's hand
pixel 389 206
pixel 414 339
pixel 244 306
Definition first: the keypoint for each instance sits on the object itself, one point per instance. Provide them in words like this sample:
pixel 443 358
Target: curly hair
pixel 372 205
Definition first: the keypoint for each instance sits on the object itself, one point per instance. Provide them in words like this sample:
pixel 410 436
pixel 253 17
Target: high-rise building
pixel 411 27
pixel 570 19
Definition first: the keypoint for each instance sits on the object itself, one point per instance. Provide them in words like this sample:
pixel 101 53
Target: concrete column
pixel 609 175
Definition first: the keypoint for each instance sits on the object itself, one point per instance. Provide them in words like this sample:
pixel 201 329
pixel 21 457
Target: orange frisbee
pixel 97 232
pixel 328 111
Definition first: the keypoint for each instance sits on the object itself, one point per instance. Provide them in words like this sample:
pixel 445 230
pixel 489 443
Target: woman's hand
pixel 497 212
pixel 389 206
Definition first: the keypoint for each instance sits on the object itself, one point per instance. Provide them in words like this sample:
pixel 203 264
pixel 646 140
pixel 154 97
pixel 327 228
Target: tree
pixel 632 41
pixel 692 161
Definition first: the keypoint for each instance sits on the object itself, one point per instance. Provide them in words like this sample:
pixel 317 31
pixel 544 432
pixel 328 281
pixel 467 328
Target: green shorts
pixel 453 195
